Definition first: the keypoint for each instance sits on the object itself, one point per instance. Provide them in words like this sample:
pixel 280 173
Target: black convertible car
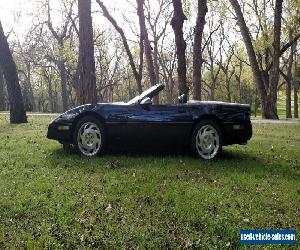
pixel 199 126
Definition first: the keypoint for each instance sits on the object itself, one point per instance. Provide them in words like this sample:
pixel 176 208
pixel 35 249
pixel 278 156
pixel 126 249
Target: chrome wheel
pixel 207 142
pixel 89 139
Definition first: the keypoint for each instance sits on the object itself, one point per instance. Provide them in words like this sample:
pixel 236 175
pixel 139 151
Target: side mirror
pixel 146 101
pixel 182 98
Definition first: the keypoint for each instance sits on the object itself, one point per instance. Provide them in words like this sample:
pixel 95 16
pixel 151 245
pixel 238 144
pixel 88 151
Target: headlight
pixel 63 127
pixel 64 117
pixel 68 116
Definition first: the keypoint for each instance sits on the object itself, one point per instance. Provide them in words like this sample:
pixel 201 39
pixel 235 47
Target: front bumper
pixel 237 133
pixel 63 136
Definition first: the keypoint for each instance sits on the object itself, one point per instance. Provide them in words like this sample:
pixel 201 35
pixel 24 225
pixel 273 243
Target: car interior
pixel 146 98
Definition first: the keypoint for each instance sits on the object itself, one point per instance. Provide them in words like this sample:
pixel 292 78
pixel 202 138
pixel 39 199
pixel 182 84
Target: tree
pixel 289 80
pixel 197 50
pixel 26 58
pixel 61 38
pixel 228 73
pixel 177 25
pixel 296 89
pixel 27 90
pixel 158 21
pixel 274 72
pixel 138 73
pixel 47 73
pixel 159 17
pixel 291 27
pixel 7 64
pixel 213 63
pixel 2 102
pixel 147 45
pixel 238 75
pixel 167 62
pixel 86 90
pixel 266 78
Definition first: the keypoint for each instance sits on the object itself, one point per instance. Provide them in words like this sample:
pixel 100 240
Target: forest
pixel 57 54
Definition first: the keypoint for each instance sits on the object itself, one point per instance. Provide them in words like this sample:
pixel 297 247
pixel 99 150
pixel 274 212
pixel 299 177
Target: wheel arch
pixel 211 118
pixel 85 114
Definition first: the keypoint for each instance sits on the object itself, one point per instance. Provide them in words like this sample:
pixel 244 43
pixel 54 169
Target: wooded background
pixel 80 51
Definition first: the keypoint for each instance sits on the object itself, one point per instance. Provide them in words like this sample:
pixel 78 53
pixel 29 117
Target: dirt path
pixel 34 114
pixel 284 122
pixel 254 121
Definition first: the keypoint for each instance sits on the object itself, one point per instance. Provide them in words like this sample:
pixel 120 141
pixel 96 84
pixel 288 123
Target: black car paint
pixel 161 126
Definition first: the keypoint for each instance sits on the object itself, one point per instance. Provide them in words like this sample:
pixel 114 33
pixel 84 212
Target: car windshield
pixel 146 93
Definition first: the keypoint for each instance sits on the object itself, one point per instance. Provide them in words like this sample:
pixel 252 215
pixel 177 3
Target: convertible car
pixel 202 127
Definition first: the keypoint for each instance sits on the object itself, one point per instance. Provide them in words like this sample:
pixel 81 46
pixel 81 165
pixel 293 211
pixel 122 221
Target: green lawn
pixel 52 199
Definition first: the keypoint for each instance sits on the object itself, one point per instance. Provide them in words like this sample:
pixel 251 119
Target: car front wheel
pixel 89 136
pixel 206 140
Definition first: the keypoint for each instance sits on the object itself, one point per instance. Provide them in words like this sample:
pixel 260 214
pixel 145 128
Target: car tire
pixel 89 137
pixel 207 140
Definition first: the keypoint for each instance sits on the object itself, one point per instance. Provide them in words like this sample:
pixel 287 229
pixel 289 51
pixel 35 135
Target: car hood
pixel 72 113
pixel 90 107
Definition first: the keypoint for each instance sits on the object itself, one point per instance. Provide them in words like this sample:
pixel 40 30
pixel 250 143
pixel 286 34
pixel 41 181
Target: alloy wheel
pixel 207 142
pixel 89 139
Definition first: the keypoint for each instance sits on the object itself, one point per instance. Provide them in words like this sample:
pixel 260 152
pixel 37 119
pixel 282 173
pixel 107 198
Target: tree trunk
pixel 51 97
pixel 296 89
pixel 17 111
pixel 212 91
pixel 238 79
pixel 228 90
pixel 30 87
pixel 169 89
pixel 256 102
pixel 197 50
pixel 50 92
pixel 156 60
pixel 86 91
pixel 63 81
pixel 28 92
pixel 268 101
pixel 148 48
pixel 177 25
pixel 275 70
pixel 289 82
pixel 2 101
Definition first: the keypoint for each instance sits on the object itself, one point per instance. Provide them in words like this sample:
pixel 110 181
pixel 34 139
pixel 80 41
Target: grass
pixel 52 199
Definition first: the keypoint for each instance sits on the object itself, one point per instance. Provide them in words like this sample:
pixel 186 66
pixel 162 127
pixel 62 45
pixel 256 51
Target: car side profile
pixel 203 127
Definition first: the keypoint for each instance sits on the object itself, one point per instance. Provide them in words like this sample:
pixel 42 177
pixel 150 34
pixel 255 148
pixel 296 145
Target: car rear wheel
pixel 207 140
pixel 89 136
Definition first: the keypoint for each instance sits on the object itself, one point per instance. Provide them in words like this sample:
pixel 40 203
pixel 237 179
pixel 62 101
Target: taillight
pixel 238 127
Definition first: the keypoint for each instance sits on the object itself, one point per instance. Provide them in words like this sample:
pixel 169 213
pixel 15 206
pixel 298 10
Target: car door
pixel 152 126
pixel 176 121
pixel 144 126
pixel 133 125
pixel 159 126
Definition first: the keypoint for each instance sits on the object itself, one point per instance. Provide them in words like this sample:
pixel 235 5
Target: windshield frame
pixel 151 92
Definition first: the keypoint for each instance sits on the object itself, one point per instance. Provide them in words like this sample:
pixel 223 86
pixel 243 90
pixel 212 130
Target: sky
pixel 10 12
pixel 17 15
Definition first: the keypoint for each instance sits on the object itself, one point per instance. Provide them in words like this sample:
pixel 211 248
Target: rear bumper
pixel 63 136
pixel 237 133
